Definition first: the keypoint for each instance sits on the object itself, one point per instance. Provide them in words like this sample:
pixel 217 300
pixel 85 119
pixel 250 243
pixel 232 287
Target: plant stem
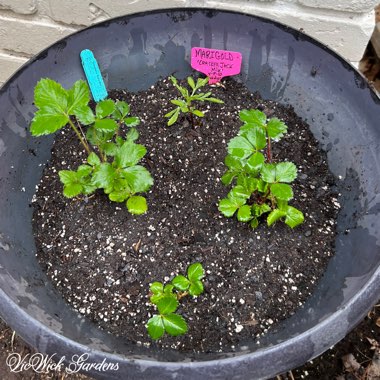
pixel 102 155
pixel 269 150
pixel 192 120
pixel 84 143
pixel 181 295
pixel 117 132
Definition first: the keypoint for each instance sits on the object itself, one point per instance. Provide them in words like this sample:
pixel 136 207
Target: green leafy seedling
pixel 113 161
pixel 185 104
pixel 166 298
pixel 261 186
pixel 192 283
pixel 166 321
pixel 159 291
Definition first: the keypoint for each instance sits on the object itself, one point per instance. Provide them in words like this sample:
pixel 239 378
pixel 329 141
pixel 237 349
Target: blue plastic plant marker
pixel 93 75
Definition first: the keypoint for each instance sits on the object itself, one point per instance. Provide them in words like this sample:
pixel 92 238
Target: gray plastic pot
pixel 283 64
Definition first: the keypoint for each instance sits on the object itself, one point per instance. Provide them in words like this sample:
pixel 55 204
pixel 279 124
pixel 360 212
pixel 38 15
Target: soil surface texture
pixel 254 278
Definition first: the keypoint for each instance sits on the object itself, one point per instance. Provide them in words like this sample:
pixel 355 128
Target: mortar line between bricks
pixel 44 22
pixel 293 9
pixel 9 53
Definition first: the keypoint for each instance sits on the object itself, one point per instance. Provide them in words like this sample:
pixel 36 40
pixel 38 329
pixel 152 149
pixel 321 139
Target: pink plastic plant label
pixel 216 64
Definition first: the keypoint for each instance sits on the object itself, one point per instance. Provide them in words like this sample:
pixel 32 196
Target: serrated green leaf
pixel 46 121
pixel 262 186
pixel 119 141
pixel 276 129
pixel 181 282
pixel 104 108
pixel 286 172
pixel 246 128
pixel 233 163
pixel 109 148
pixel 155 327
pixel 132 121
pixel 282 205
pixel 120 183
pixel 156 287
pixel 239 192
pixel 240 147
pixel 133 134
pixel 96 137
pixel 104 175
pixel 259 210
pixel 84 114
pixel 88 188
pixel 174 324
pixel 249 183
pixel 129 154
pixel 282 191
pixel 196 288
pixel 255 162
pixel 121 110
pixel 254 117
pixel 137 205
pixel 83 171
pixel 294 217
pixel 105 125
pixel 195 272
pixel 256 136
pixel 244 214
pixel 138 177
pixel 254 223
pixel 68 177
pixel 50 93
pixel 167 305
pixel 78 97
pixel 72 190
pixel 228 177
pixel 275 215
pixel 74 181
pixel 155 298
pixel 168 290
pixel 119 196
pixel 93 159
pixel 228 206
pixel 198 113
pixel 268 173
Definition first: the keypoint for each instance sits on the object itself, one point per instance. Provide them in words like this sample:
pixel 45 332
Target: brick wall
pixel 28 26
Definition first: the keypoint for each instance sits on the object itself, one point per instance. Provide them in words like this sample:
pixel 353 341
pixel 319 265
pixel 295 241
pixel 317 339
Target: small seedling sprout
pixel 166 299
pixel 185 104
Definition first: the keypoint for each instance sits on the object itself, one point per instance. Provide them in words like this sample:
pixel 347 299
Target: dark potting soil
pixel 254 278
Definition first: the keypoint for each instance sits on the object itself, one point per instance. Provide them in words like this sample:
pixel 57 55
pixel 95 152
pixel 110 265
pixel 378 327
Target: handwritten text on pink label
pixel 216 64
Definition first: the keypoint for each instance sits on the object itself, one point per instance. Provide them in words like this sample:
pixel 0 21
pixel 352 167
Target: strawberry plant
pixel 261 186
pixel 112 160
pixel 186 104
pixel 166 298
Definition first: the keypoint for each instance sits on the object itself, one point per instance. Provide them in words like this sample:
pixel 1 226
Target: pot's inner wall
pixel 133 52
